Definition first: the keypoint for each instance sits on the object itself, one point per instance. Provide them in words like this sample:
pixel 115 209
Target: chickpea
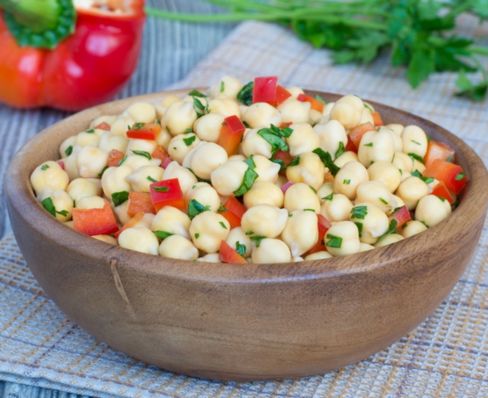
pixel 208 127
pixel 181 145
pixel 165 103
pixel 210 258
pixel 342 239
pixel 396 128
pixel 109 141
pixel 185 177
pixel 301 232
pixel 179 117
pixel 91 202
pixel 397 138
pixel 349 177
pixel 389 239
pixel 419 166
pixel 67 146
pixel 295 91
pixel 322 255
pixel 205 158
pixel 303 139
pixel 91 161
pixel 90 137
pixel 49 176
pixel 139 239
pixel 266 169
pixel 366 117
pixel 315 117
pixel 325 190
pixel 264 193
pixel 346 157
pixel 141 145
pixel 332 135
pixel 365 247
pixel 254 144
pixel 228 177
pixel 106 238
pixel 172 220
pixel 414 140
pixel 326 112
pixel 114 180
pixel 236 238
pixel 227 87
pixel 386 173
pixel 309 170
pixel 370 220
pixel 412 228
pixel 178 247
pixel 376 193
pixel 431 210
pixel 347 111
pixel 261 115
pixel 300 196
pixel 121 125
pixel 411 190
pixel 225 107
pixel 403 163
pixel 208 230
pixel 376 146
pixel 142 112
pixel 271 251
pixel 205 194
pixel 134 161
pixel 264 220
pixel 121 212
pixel 294 111
pixel 141 179
pixel 336 207
pixel 83 187
pixel 398 201
pixel 62 202
pixel 163 138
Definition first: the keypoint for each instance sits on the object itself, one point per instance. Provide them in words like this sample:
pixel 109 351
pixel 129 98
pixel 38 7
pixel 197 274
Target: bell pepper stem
pixel 38 15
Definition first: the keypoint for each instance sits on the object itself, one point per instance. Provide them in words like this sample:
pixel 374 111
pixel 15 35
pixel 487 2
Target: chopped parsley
pixel 195 208
pixel 147 155
pixel 222 208
pixel 275 137
pixel 359 212
pixel 326 159
pixel 360 227
pixel 162 234
pixel 160 189
pixel 68 151
pixel 370 144
pixel 459 177
pixel 295 161
pixel 334 241
pixel 307 209
pixel 340 150
pixel 197 235
pixel 120 197
pixel 90 131
pixel 188 130
pixel 416 157
pixel 198 106
pixel 106 167
pixel 44 167
pixel 64 213
pixel 136 126
pixel 257 239
pixel 196 93
pixel 329 197
pixel 346 181
pixel 392 227
pixel 416 142
pixel 189 140
pixel 149 178
pixel 222 224
pixel 249 177
pixel 244 96
pixel 417 173
pixel 383 200
pixel 241 248
pixel 49 206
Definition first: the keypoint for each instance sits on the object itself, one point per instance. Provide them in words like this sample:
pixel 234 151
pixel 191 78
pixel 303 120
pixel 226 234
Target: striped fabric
pixel 445 356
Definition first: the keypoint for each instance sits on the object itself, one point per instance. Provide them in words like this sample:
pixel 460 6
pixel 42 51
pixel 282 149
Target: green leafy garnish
pixel 90 131
pixel 307 209
pixel 359 212
pixel 199 108
pixel 189 140
pixel 383 200
pixel 257 239
pixel 244 96
pixel 222 224
pixel 360 227
pixel 295 161
pixel 334 241
pixel 196 93
pixel 195 208
pixel 68 151
pixel 64 213
pixel 369 144
pixel 119 197
pixel 248 180
pixel 416 157
pixel 147 155
pixel 137 126
pixel 49 206
pixel 149 178
pixel 327 160
pixel 44 167
pixel 329 197
pixel 160 189
pixel 241 249
pixel 162 234
pixel 340 150
pixel 275 137
pixel 392 227
pixel 417 173
pixel 197 235
pixel 346 181
pixel 459 177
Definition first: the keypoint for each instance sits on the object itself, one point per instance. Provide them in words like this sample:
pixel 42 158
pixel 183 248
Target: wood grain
pixel 243 322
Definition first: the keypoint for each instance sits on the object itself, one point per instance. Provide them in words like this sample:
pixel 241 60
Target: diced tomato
pixel 284 125
pixel 441 190
pixel 377 120
pixel 103 126
pixel 160 153
pixel 316 104
pixel 149 131
pixel 357 133
pixel 228 255
pixel 284 156
pixel 264 89
pixel 61 163
pixel 450 174
pixel 139 202
pixel 323 225
pixel 350 146
pixel 129 224
pixel 282 94
pixel 114 158
pixel 438 150
pixel 95 221
pixel 167 193
pixel 231 134
pixel 233 211
pixel 402 216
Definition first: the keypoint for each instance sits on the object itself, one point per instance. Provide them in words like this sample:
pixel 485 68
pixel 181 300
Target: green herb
pixel 370 144
pixel 189 140
pixel 119 197
pixel 199 108
pixel 90 131
pixel 244 96
pixel 340 150
pixel 247 181
pixel 383 200
pixel 241 249
pixel 416 157
pixel 346 181
pixel 295 161
pixel 222 86
pixel 105 168
pixel 327 160
pixel 275 137
pixel 392 227
pixel 137 126
pixel 160 189
pixel 368 107
pixel 257 239
pixel 420 36
pixel 221 209
pixel 360 227
pixel 222 224
pixel 123 160
pixel 64 213
pixel 280 162
pixel 334 241
pixel 196 93
pixel 329 197
pixel 195 208
pixel 312 210
pixel 68 151
pixel 44 167
pixel 147 155
pixel 49 206
pixel 359 212
pixel 149 178
pixel 459 177
pixel 188 130
pixel 416 142
pixel 197 235
pixel 162 234
pixel 417 174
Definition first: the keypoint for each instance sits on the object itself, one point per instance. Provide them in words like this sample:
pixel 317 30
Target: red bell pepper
pixel 323 225
pixel 233 210
pixel 167 193
pixel 264 89
pixel 357 133
pixel 114 158
pixel 377 119
pixel 441 191
pixel 147 131
pixel 450 174
pixel 228 255
pixel 315 103
pixel 401 216
pixel 95 221
pixel 438 150
pixel 103 126
pixel 231 134
pixel 282 94
pixel 139 202
pixel 129 224
pixel 161 154
pixel 52 54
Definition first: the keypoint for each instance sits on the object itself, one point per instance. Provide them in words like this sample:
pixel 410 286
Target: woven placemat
pixel 446 356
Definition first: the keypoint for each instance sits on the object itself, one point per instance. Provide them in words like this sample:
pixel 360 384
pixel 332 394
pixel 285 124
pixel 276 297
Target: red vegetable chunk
pixel 450 174
pixel 316 104
pixel 357 133
pixel 438 150
pixel 441 191
pixel 228 255
pixel 95 221
pixel 149 131
pixel 264 89
pixel 323 225
pixel 377 119
pixel 103 126
pixel 233 211
pixel 139 202
pixel 402 216
pixel 231 134
pixel 114 158
pixel 282 94
pixel 167 193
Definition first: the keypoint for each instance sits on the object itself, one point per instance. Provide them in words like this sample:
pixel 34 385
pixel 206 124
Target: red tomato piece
pixel 129 224
pixel 61 163
pixel 103 126
pixel 228 255
pixel 316 104
pixel 231 134
pixel 160 153
pixel 438 150
pixel 282 94
pixel 139 202
pixel 264 89
pixel 167 193
pixel 284 156
pixel 233 211
pixel 284 125
pixel 377 120
pixel 402 216
pixel 149 131
pixel 323 225
pixel 357 133
pixel 95 221
pixel 441 190
pixel 114 158
pixel 450 174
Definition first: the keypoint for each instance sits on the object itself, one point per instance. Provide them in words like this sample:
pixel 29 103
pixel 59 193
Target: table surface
pixel 170 51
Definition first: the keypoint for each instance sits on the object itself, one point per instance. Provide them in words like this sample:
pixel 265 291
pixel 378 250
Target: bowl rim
pixel 20 197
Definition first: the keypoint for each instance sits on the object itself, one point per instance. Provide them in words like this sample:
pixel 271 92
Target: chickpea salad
pixel 254 172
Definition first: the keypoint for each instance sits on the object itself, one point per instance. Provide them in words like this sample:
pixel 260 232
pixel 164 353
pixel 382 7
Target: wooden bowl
pixel 243 322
